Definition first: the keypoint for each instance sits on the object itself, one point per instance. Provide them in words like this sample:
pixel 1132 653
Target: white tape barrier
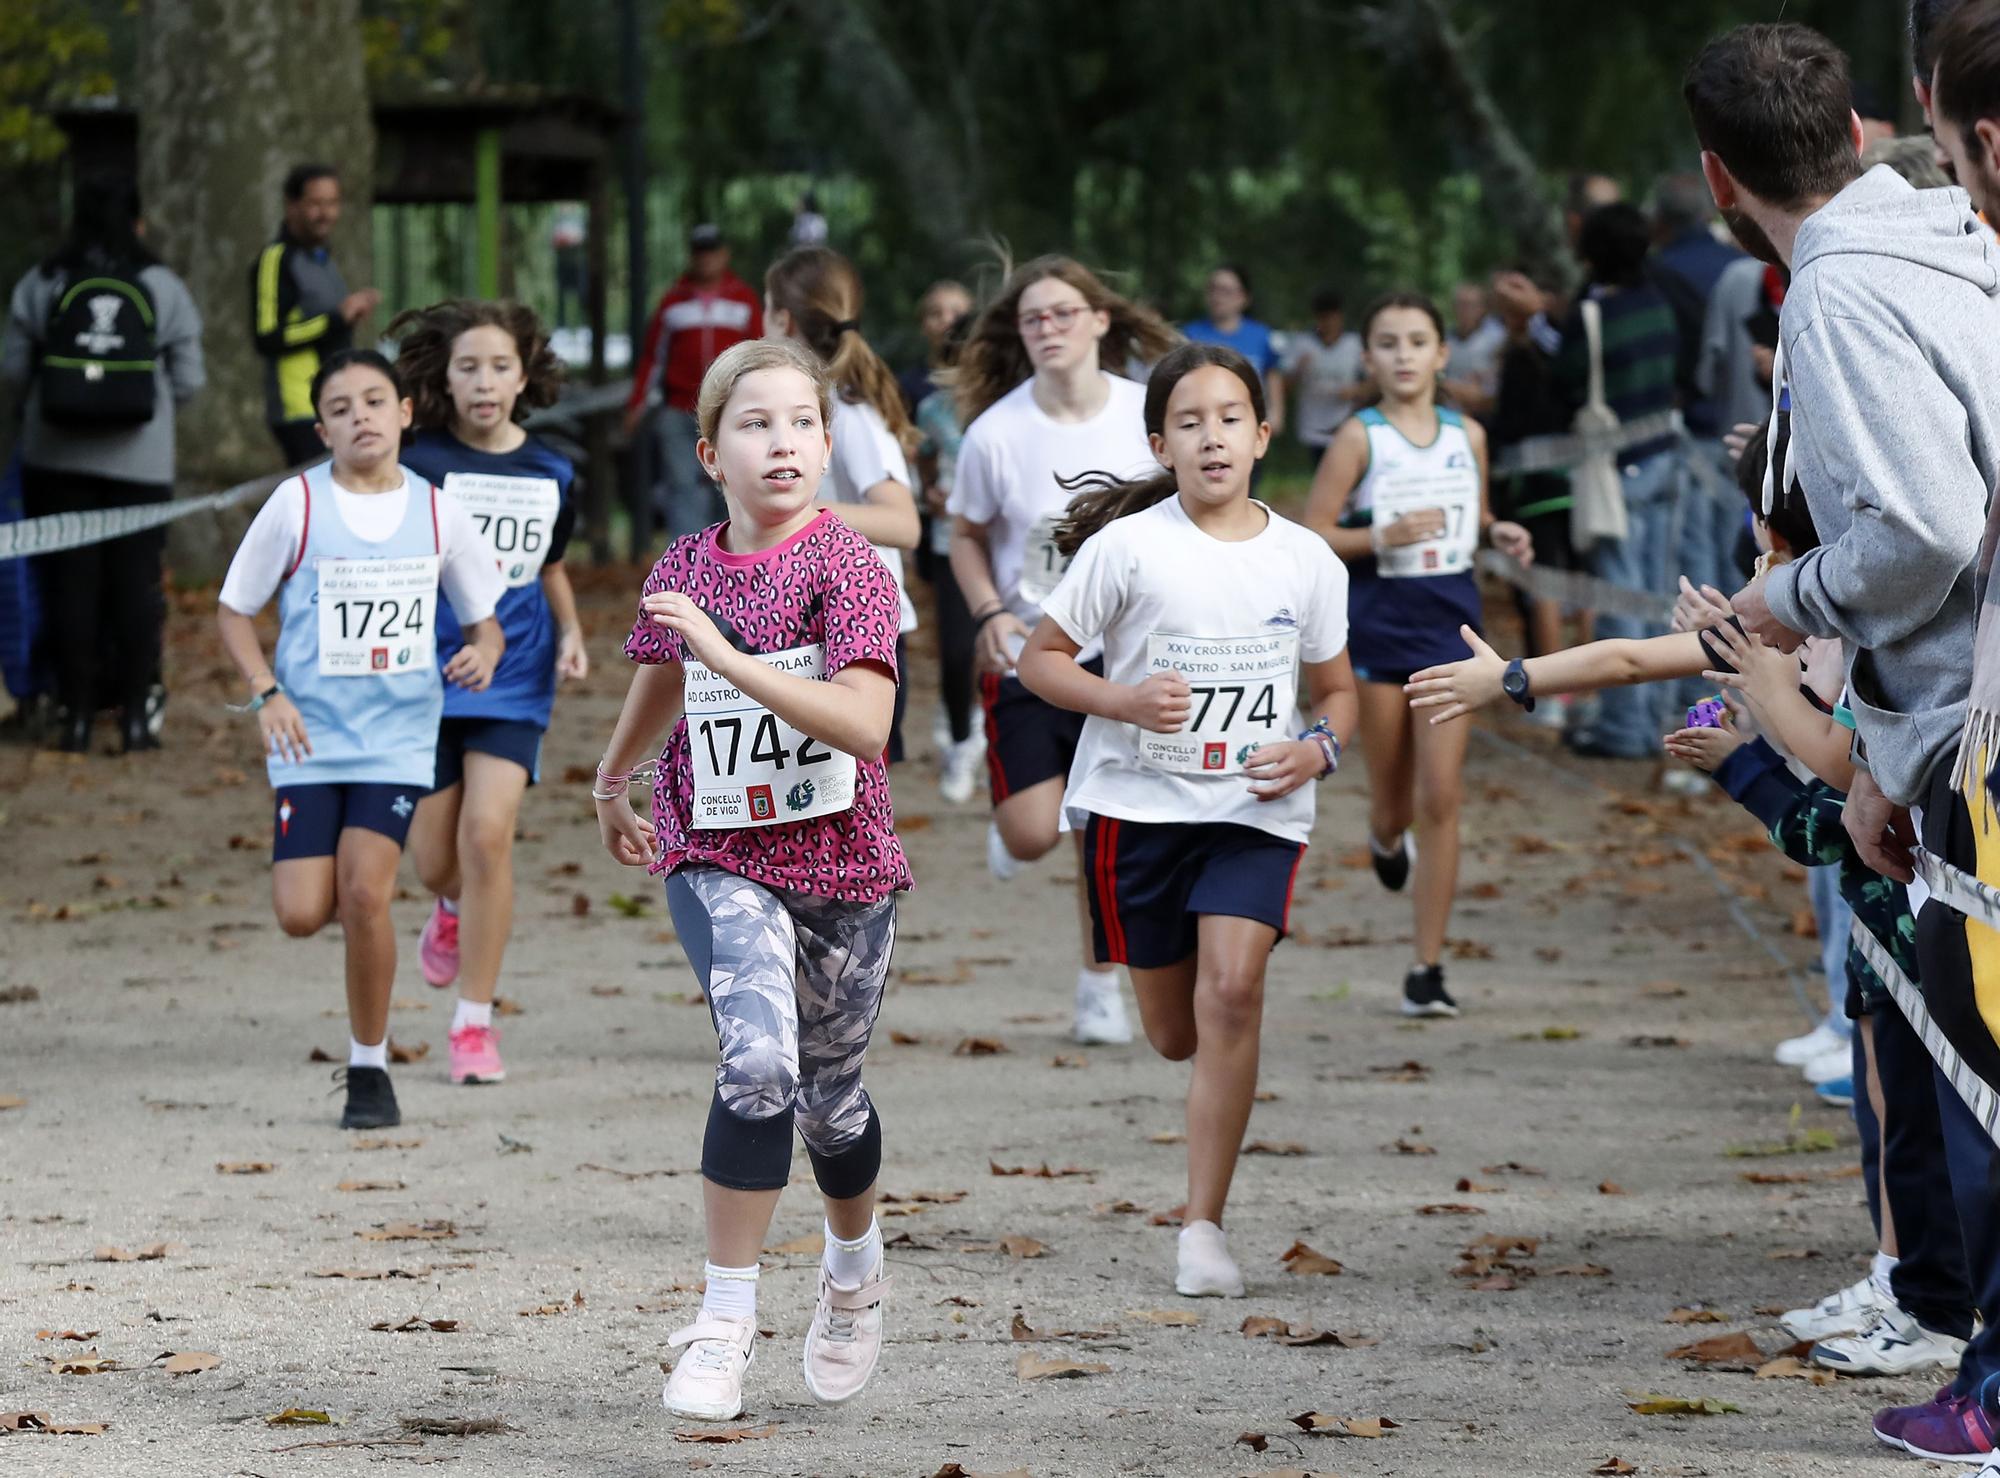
pixel 1560 451
pixel 1978 1094
pixel 1958 889
pixel 54 532
pixel 1573 588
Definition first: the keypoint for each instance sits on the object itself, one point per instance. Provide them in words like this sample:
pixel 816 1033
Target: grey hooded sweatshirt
pixel 1890 343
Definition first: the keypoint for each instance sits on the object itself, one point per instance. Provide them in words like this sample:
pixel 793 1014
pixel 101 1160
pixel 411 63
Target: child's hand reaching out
pixel 1705 748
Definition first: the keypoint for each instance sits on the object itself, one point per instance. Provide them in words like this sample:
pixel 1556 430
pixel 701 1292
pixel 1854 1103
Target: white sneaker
pixel 845 1339
pixel 1679 781
pixel 1550 713
pixel 707 1379
pixel 1206 1269
pixel 1003 864
pixel 941 730
pixel 1100 1011
pixel 1798 1051
pixel 1837 1062
pixel 1894 1343
pixel 1850 1310
pixel 960 781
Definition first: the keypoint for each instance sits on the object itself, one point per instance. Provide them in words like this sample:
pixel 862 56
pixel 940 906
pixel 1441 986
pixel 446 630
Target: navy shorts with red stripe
pixel 1151 881
pixel 1027 740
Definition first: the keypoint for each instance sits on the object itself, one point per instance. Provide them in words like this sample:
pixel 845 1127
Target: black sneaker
pixel 371 1100
pixel 1393 866
pixel 1424 993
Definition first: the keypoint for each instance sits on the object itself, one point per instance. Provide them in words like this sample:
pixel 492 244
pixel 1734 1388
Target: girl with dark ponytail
pixel 1192 779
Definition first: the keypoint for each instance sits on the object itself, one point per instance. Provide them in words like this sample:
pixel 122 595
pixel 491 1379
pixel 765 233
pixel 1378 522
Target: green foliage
pixel 52 52
pixel 409 43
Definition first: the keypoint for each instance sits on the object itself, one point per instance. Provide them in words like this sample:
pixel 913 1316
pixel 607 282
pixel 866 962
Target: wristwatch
pixel 1514 683
pixel 262 698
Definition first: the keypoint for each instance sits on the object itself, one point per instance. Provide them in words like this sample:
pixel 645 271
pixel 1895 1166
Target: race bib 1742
pixel 751 768
pixel 375 616
pixel 516 514
pixel 1244 691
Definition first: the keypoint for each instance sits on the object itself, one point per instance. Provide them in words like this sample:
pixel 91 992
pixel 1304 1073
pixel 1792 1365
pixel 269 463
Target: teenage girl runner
pixel 1190 790
pixel 767 647
pixel 355 550
pixel 961 747
pixel 1401 497
pixel 1038 407
pixel 812 296
pixel 472 369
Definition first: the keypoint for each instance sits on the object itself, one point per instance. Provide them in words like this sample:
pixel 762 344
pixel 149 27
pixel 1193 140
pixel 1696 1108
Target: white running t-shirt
pixel 1154 575
pixel 1009 462
pixel 866 452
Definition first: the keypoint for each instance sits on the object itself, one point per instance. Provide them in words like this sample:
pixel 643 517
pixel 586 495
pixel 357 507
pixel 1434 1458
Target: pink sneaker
pixel 475 1055
pixel 438 948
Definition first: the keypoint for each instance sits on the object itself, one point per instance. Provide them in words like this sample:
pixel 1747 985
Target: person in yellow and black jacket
pixel 301 311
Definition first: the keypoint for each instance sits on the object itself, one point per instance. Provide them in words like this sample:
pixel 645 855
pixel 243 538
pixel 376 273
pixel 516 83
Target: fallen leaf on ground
pixel 1286 1147
pixel 1069 1059
pixel 1022 1248
pixel 1656 1041
pixel 244 1167
pixel 1450 1208
pixel 1770 1311
pixel 1662 989
pixel 1502 1245
pixel 1496 1283
pixel 1255 1441
pixel 1611 1188
pixel 503 1006
pixel 953 1470
pixel 1471 1187
pixel 370 1185
pixel 1650 1404
pixel 979 1047
pixel 1698 1316
pixel 153 1253
pixel 91 1364
pixel 416 1324
pixel 298 1416
pixel 1303 1260
pixel 606 992
pixel 1511 1167
pixel 1616 1467
pixel 1408 1147
pixel 1577 1270
pixel 409 1231
pixel 927 1198
pixel 1775 1177
pixel 813 1243
pixel 369 1275
pixel 1721 1349
pixel 1178 1318
pixel 1031 1366
pixel 1794 1254
pixel 1118 1208
pixel 1560 1034
pixel 543 1310
pixel 1264 1326
pixel 88 1334
pixel 905 1039
pixel 1799 1142
pixel 1321 1425
pixel 319 1054
pixel 398 1053
pixel 41 1423
pixel 1037 1172
pixel 1791 1367
pixel 1170 1218
pixel 385 1144
pixel 1167 1136
pixel 18 995
pixel 1408 1071
pixel 453 1426
pixel 193 1362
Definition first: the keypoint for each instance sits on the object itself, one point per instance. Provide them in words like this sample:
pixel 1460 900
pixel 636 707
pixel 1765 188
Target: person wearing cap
pixel 707 310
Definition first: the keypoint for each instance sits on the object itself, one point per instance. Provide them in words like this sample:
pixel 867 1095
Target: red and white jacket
pixel 692 325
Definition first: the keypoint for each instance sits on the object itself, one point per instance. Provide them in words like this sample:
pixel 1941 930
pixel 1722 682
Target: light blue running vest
pixel 370 728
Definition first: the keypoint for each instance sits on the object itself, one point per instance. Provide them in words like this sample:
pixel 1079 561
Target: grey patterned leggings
pixel 794 983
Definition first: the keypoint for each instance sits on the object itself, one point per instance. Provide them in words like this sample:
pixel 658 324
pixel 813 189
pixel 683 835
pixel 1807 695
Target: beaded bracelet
pixel 1321 733
pixel 611 785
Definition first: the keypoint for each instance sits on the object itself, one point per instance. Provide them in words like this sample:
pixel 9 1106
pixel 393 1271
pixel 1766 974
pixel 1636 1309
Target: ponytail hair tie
pixel 847 326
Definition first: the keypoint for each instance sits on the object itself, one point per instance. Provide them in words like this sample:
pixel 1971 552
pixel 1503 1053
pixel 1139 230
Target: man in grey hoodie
pixel 1887 362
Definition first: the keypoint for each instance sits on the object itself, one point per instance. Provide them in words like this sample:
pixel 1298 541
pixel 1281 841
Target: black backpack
pixel 98 354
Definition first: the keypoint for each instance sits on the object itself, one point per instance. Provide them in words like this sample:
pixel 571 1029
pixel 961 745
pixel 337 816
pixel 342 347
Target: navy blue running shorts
pixel 1150 882
pixel 503 738
pixel 307 820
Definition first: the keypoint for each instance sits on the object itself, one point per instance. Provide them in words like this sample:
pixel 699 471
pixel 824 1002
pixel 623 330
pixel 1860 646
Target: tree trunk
pixel 1512 186
pixel 231 94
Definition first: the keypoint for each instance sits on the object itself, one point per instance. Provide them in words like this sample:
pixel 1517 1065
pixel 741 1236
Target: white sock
pixel 849 1264
pixel 471 1013
pixel 449 905
pixel 1394 848
pixel 1095 983
pixel 1879 1270
pixel 731 1292
pixel 363 1056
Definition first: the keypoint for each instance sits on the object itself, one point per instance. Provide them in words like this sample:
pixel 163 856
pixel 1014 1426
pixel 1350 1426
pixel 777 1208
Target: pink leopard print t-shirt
pixel 824 585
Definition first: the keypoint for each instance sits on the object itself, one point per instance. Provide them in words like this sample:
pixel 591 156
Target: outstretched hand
pixel 1457 688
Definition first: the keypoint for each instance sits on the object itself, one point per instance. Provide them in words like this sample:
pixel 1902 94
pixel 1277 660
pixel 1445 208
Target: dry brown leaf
pixel 1321 1425
pixel 1699 1316
pixel 1791 1367
pixel 1170 1218
pixel 1407 1071
pixel 979 1047
pixel 1450 1208
pixel 42 1423
pixel 88 1334
pixel 926 1198
pixel 1284 1147
pixel 244 1167
pixel 503 1006
pixel 385 1144
pixel 1167 1136
pixel 416 1324
pixel 1794 1254
pixel 905 1039
pixel 1510 1167
pixel 90 1364
pixel 153 1253
pixel 319 1054
pixel 1408 1147
pixel 1502 1245
pixel 1255 1441
pixel 1022 1248
pixel 1774 1177
pixel 1037 1172
pixel 1304 1261
pixel 370 1185
pixel 1614 1467
pixel 1577 1270
pixel 409 1231
pixel 1470 1187
pixel 1721 1349
pixel 1069 1060
pixel 1611 1188
pixel 1496 1283
pixel 1030 1366
pixel 726 1434
pixel 1174 1318
pixel 192 1362
pixel 369 1275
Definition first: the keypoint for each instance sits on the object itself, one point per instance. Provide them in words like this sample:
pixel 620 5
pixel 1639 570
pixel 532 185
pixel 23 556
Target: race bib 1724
pixel 1244 690
pixel 751 768
pixel 516 514
pixel 375 616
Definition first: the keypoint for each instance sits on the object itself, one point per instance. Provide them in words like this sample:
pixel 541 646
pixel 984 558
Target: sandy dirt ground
pixel 519 1254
